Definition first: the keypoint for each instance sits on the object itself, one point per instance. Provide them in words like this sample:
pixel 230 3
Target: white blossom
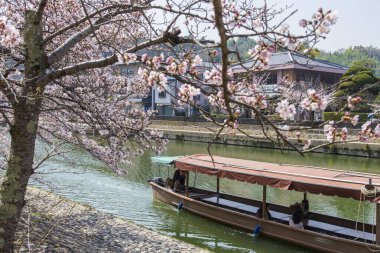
pixel 285 110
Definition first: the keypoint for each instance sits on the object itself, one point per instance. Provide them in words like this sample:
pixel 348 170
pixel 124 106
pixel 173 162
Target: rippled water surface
pixel 89 182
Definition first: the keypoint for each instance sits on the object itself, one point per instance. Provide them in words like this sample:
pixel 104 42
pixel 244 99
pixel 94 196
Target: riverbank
pixel 206 133
pixel 51 223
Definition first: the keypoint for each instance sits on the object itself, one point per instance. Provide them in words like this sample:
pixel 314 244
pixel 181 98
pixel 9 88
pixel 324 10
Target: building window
pixel 305 76
pixel 327 78
pixel 272 78
pixel 126 71
pixel 162 94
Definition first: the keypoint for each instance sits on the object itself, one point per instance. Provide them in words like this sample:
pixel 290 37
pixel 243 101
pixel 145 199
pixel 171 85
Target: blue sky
pixel 358 22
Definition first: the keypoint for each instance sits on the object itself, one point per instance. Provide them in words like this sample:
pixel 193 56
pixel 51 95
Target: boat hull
pixel 306 238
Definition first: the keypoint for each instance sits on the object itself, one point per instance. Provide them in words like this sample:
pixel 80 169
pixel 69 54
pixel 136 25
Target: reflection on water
pixel 89 182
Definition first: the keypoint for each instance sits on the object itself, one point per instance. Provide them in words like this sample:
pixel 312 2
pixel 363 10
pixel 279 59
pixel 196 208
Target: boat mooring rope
pixel 368 191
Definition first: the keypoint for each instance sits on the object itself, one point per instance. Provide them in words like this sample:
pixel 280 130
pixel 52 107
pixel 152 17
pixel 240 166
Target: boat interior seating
pixel 283 217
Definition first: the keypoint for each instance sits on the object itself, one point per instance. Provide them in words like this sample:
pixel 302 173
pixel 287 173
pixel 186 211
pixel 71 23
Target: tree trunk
pixel 26 110
pixel 15 181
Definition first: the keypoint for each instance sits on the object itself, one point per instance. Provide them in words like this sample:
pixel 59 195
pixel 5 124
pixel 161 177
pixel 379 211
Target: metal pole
pixel 263 213
pixel 305 196
pixel 217 185
pixel 187 184
pixel 377 223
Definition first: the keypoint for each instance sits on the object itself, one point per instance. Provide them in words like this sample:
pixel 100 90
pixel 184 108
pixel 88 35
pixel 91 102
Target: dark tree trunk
pixel 15 181
pixel 23 132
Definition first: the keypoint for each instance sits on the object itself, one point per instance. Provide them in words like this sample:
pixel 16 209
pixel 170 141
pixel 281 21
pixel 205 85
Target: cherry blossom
pixel 347 118
pixel 303 23
pixel 314 101
pixel 261 52
pixel 187 92
pixel 343 134
pixel 128 58
pixel 377 130
pixel 307 145
pixel 9 34
pixel 353 101
pixel 330 131
pixel 355 120
pixel 285 110
pixel 197 60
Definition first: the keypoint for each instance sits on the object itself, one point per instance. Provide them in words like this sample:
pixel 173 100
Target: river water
pixel 83 179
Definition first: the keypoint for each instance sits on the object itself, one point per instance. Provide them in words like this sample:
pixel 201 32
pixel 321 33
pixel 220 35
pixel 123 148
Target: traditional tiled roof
pixel 292 60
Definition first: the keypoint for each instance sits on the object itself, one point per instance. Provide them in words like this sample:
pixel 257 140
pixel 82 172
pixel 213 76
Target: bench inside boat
pixel 316 222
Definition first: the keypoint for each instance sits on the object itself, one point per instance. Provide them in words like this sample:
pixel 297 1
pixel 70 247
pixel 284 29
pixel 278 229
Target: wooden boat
pixel 321 232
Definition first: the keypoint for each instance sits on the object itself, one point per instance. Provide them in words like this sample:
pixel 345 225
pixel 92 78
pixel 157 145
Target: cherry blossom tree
pixel 58 83
pixel 228 93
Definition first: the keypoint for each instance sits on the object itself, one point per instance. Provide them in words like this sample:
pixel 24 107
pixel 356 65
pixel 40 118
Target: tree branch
pixel 171 37
pixel 78 37
pixel 40 9
pixel 79 22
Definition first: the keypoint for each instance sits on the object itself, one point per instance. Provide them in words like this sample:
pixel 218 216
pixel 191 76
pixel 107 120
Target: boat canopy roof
pixel 164 159
pixel 346 184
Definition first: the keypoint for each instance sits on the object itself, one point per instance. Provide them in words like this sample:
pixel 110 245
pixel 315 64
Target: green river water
pixel 90 182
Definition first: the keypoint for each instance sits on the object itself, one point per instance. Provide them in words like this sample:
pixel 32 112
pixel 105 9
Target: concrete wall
pixel 371 150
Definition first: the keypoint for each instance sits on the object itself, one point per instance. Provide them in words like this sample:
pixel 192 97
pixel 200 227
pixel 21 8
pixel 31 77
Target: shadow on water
pixel 90 182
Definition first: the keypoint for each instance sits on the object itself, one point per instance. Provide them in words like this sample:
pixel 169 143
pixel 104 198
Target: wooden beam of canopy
pixel 315 180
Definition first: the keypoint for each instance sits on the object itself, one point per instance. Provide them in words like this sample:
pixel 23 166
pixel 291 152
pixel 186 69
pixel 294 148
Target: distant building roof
pixel 292 60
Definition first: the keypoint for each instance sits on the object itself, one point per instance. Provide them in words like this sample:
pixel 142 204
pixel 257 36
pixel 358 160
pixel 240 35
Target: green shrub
pixel 354 70
pixel 347 85
pixel 364 78
pixel 339 93
pixel 337 117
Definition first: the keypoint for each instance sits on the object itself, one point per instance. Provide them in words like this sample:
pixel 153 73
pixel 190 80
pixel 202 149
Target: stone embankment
pixel 205 132
pixel 54 224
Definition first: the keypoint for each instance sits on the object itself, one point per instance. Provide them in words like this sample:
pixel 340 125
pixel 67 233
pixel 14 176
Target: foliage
pixel 359 80
pixel 358 55
pixel 327 116
pixel 242 46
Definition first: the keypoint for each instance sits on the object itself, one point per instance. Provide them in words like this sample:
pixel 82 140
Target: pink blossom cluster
pixel 307 144
pixel 174 67
pixel 353 101
pixel 153 62
pixel 217 100
pixel 261 53
pixel 321 21
pixel 127 58
pixel 286 110
pixel 314 101
pixel 367 132
pixel 256 100
pixel 187 93
pixel 9 34
pixel 97 103
pixel 153 77
pixel 215 75
pixel 347 118
pixel 332 132
pixel 233 15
